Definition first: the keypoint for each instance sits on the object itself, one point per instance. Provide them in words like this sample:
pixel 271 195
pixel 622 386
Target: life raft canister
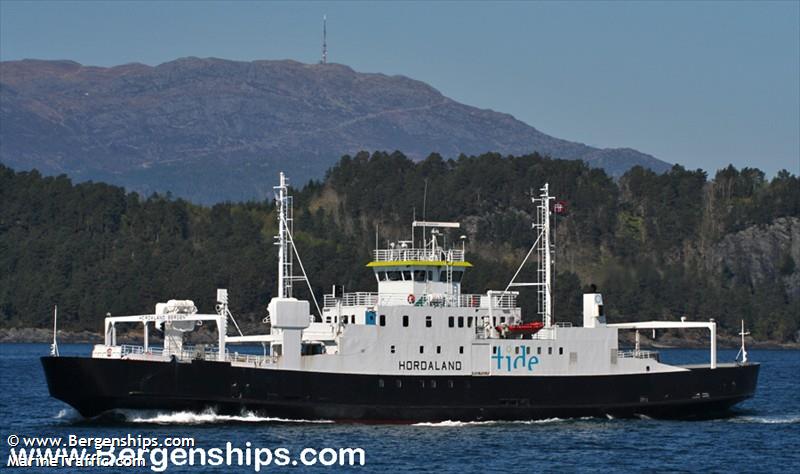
pixel 411 299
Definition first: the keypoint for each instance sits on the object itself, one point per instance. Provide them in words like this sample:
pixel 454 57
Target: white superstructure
pixel 417 322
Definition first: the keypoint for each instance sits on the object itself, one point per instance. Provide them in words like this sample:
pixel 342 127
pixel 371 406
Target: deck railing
pixel 425 255
pixel 190 353
pixel 623 354
pixel 363 298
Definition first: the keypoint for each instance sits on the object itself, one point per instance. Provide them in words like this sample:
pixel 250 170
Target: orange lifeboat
pixel 524 328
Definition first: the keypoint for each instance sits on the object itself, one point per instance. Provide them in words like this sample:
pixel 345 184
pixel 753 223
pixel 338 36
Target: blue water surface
pixel 763 435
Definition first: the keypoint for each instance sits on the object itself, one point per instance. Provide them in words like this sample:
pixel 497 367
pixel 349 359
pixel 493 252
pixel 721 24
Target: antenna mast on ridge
pixel 324 39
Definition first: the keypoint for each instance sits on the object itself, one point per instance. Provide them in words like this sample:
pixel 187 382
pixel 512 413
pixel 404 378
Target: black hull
pixel 93 386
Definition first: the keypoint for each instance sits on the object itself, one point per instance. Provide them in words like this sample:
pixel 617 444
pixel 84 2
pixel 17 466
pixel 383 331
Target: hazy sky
pixel 700 84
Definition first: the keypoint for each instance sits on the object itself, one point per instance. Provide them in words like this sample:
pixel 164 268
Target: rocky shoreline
pixel 39 335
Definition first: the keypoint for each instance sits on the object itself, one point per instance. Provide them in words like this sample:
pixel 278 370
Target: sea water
pixel 761 435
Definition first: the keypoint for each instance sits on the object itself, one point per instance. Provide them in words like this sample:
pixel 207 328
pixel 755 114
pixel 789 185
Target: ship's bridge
pixel 431 274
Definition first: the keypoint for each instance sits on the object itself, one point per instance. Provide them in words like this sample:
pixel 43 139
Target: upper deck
pixel 418 257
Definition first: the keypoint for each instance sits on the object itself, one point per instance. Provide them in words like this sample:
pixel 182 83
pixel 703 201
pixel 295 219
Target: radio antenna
pixel 324 39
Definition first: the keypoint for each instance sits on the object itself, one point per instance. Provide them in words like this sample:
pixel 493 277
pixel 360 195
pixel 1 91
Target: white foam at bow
pixel 206 417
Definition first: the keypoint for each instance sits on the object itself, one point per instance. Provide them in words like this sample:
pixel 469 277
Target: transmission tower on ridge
pixel 324 39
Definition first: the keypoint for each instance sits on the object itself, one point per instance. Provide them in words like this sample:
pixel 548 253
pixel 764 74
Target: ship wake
pixel 768 420
pixel 201 418
pixel 453 424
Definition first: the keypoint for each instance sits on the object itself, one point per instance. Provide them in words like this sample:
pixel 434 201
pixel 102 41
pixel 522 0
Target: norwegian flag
pixel 560 207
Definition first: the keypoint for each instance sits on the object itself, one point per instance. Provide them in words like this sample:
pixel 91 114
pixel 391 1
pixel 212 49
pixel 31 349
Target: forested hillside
pixel 658 246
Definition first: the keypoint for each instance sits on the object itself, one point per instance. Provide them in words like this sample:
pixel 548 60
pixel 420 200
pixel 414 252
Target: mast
pixel 54 345
pixel 324 39
pixel 544 249
pixel 545 257
pixel 284 203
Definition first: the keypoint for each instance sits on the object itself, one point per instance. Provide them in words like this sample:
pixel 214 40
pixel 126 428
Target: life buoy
pixel 411 299
pixel 108 352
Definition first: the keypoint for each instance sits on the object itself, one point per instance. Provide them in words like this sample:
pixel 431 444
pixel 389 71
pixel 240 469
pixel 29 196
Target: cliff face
pixel 212 129
pixel 761 254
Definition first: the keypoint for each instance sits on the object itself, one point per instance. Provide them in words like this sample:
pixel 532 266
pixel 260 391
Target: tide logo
pixel 521 361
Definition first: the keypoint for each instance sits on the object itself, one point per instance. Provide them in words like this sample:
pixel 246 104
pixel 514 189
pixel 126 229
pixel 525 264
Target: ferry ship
pixel 418 349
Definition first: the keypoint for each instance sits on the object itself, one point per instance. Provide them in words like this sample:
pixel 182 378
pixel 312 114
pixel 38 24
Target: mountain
pixel 213 129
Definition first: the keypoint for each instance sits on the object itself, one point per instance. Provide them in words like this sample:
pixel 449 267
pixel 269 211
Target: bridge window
pixel 393 276
pixel 457 277
pixel 382 276
pixel 428 322
pixel 461 321
pixel 430 275
pixel 382 320
pixel 419 275
pixel 405 320
pixel 407 275
pixel 421 349
pixel 451 321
